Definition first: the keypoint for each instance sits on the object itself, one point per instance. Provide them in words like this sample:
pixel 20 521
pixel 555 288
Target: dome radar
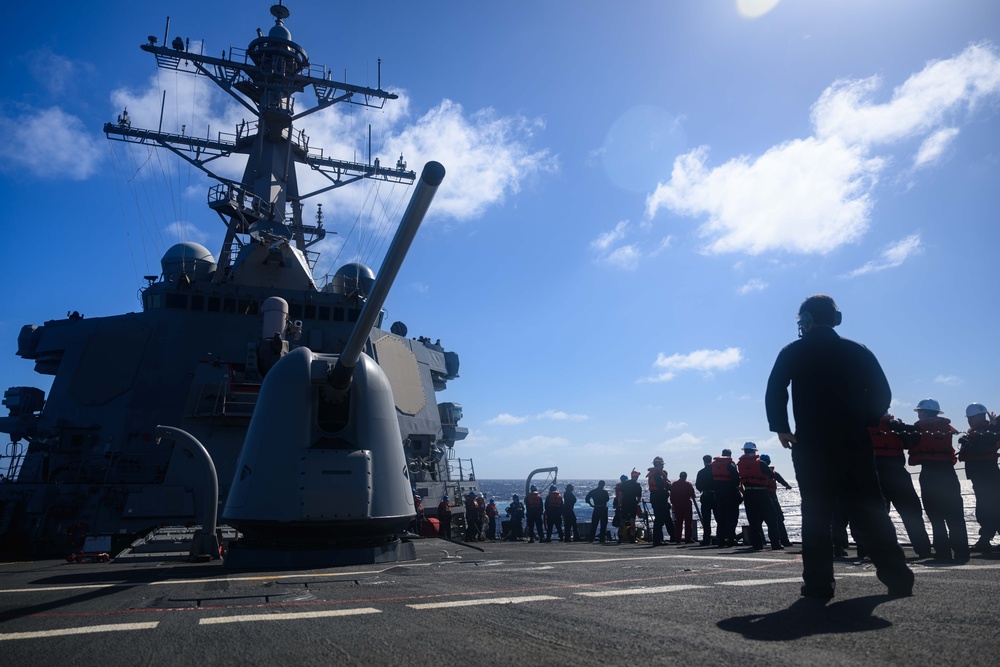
pixel 187 259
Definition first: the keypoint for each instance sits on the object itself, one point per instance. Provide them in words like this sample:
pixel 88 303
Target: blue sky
pixel 639 195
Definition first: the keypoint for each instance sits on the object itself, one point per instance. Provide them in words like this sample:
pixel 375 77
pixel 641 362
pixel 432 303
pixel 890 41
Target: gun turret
pixel 339 377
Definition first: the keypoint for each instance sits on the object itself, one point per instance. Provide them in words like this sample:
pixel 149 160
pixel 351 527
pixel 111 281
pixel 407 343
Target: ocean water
pixel 502 489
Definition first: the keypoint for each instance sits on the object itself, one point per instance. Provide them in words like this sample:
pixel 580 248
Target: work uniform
pixel 473 524
pixel 756 477
pixel 726 479
pixel 659 500
pixel 682 493
pixel 553 514
pixel 516 513
pixel 630 494
pixel 896 483
pixel 444 519
pixel 569 517
pixel 533 507
pixel 772 490
pixel 491 514
pixel 979 453
pixel 704 483
pixel 931 449
pixel 838 391
pixel 598 499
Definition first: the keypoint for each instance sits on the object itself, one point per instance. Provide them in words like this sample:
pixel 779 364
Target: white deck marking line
pixel 760 582
pixel 61 588
pixel 85 630
pixel 292 616
pixel 666 557
pixel 472 603
pixel 640 591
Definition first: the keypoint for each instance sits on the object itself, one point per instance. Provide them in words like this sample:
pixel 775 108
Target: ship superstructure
pixel 84 459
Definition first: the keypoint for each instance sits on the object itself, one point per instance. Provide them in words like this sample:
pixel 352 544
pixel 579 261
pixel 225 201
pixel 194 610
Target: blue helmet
pixel 552 487
pixel 445 498
pixel 623 478
pixel 492 500
pixel 514 497
pixel 765 458
pixel 534 488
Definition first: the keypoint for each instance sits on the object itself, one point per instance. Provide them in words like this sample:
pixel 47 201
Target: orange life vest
pixel 886 441
pixel 720 469
pixel 444 509
pixel 935 442
pixel 533 501
pixel 657 480
pixel 554 501
pixel 750 472
pixel 979 445
pixel 772 482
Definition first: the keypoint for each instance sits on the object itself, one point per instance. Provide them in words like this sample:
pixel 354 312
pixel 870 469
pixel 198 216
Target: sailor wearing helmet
pixel 979 452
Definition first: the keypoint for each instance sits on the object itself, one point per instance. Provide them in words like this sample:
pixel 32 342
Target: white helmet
pixel 749 447
pixel 976 409
pixel 928 404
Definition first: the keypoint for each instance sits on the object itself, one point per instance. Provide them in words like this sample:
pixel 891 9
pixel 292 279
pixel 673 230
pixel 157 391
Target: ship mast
pixel 266 204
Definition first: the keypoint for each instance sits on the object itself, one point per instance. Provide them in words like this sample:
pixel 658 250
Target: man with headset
pixel 838 391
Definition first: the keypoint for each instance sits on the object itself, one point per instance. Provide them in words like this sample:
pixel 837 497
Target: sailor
pixel 481 512
pixel 931 449
pixel 554 512
pixel 491 514
pixel 682 493
pixel 631 496
pixel 572 533
pixel 473 525
pixel 533 507
pixel 598 499
pixel 444 517
pixel 979 452
pixel 756 477
pixel 838 391
pixel 704 483
pixel 772 488
pixel 896 482
pixel 726 480
pixel 659 499
pixel 418 505
pixel 516 513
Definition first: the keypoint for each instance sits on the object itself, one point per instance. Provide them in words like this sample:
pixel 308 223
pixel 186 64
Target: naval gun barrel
pixel 430 178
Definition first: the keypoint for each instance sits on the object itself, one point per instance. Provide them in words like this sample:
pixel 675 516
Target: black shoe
pixel 839 552
pixel 818 592
pixel 983 546
pixel 777 547
pixel 901 591
pixel 961 556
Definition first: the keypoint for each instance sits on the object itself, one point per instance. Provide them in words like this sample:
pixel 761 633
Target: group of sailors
pixel 751 480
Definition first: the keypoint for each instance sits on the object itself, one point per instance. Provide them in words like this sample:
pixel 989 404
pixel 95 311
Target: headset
pixel 806 321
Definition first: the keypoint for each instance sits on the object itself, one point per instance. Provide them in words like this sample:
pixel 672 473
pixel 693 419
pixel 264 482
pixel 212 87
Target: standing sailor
pixel 756 477
pixel 516 513
pixel 939 485
pixel 598 499
pixel 491 514
pixel 631 496
pixel 572 532
pixel 896 482
pixel 444 517
pixel 979 452
pixel 838 391
pixel 683 495
pixel 533 506
pixel 704 483
pixel 659 499
pixel 772 488
pixel 553 512
pixel 726 480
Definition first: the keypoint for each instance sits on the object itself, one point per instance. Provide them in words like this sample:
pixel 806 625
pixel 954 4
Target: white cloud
pixel 487 156
pixel 752 285
pixel 704 361
pixel 626 256
pixel 949 380
pixel 934 147
pixel 892 256
pixel 536 446
pixel 505 419
pixel 49 143
pixel 675 425
pixel 814 195
pixel 559 415
pixel 683 441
